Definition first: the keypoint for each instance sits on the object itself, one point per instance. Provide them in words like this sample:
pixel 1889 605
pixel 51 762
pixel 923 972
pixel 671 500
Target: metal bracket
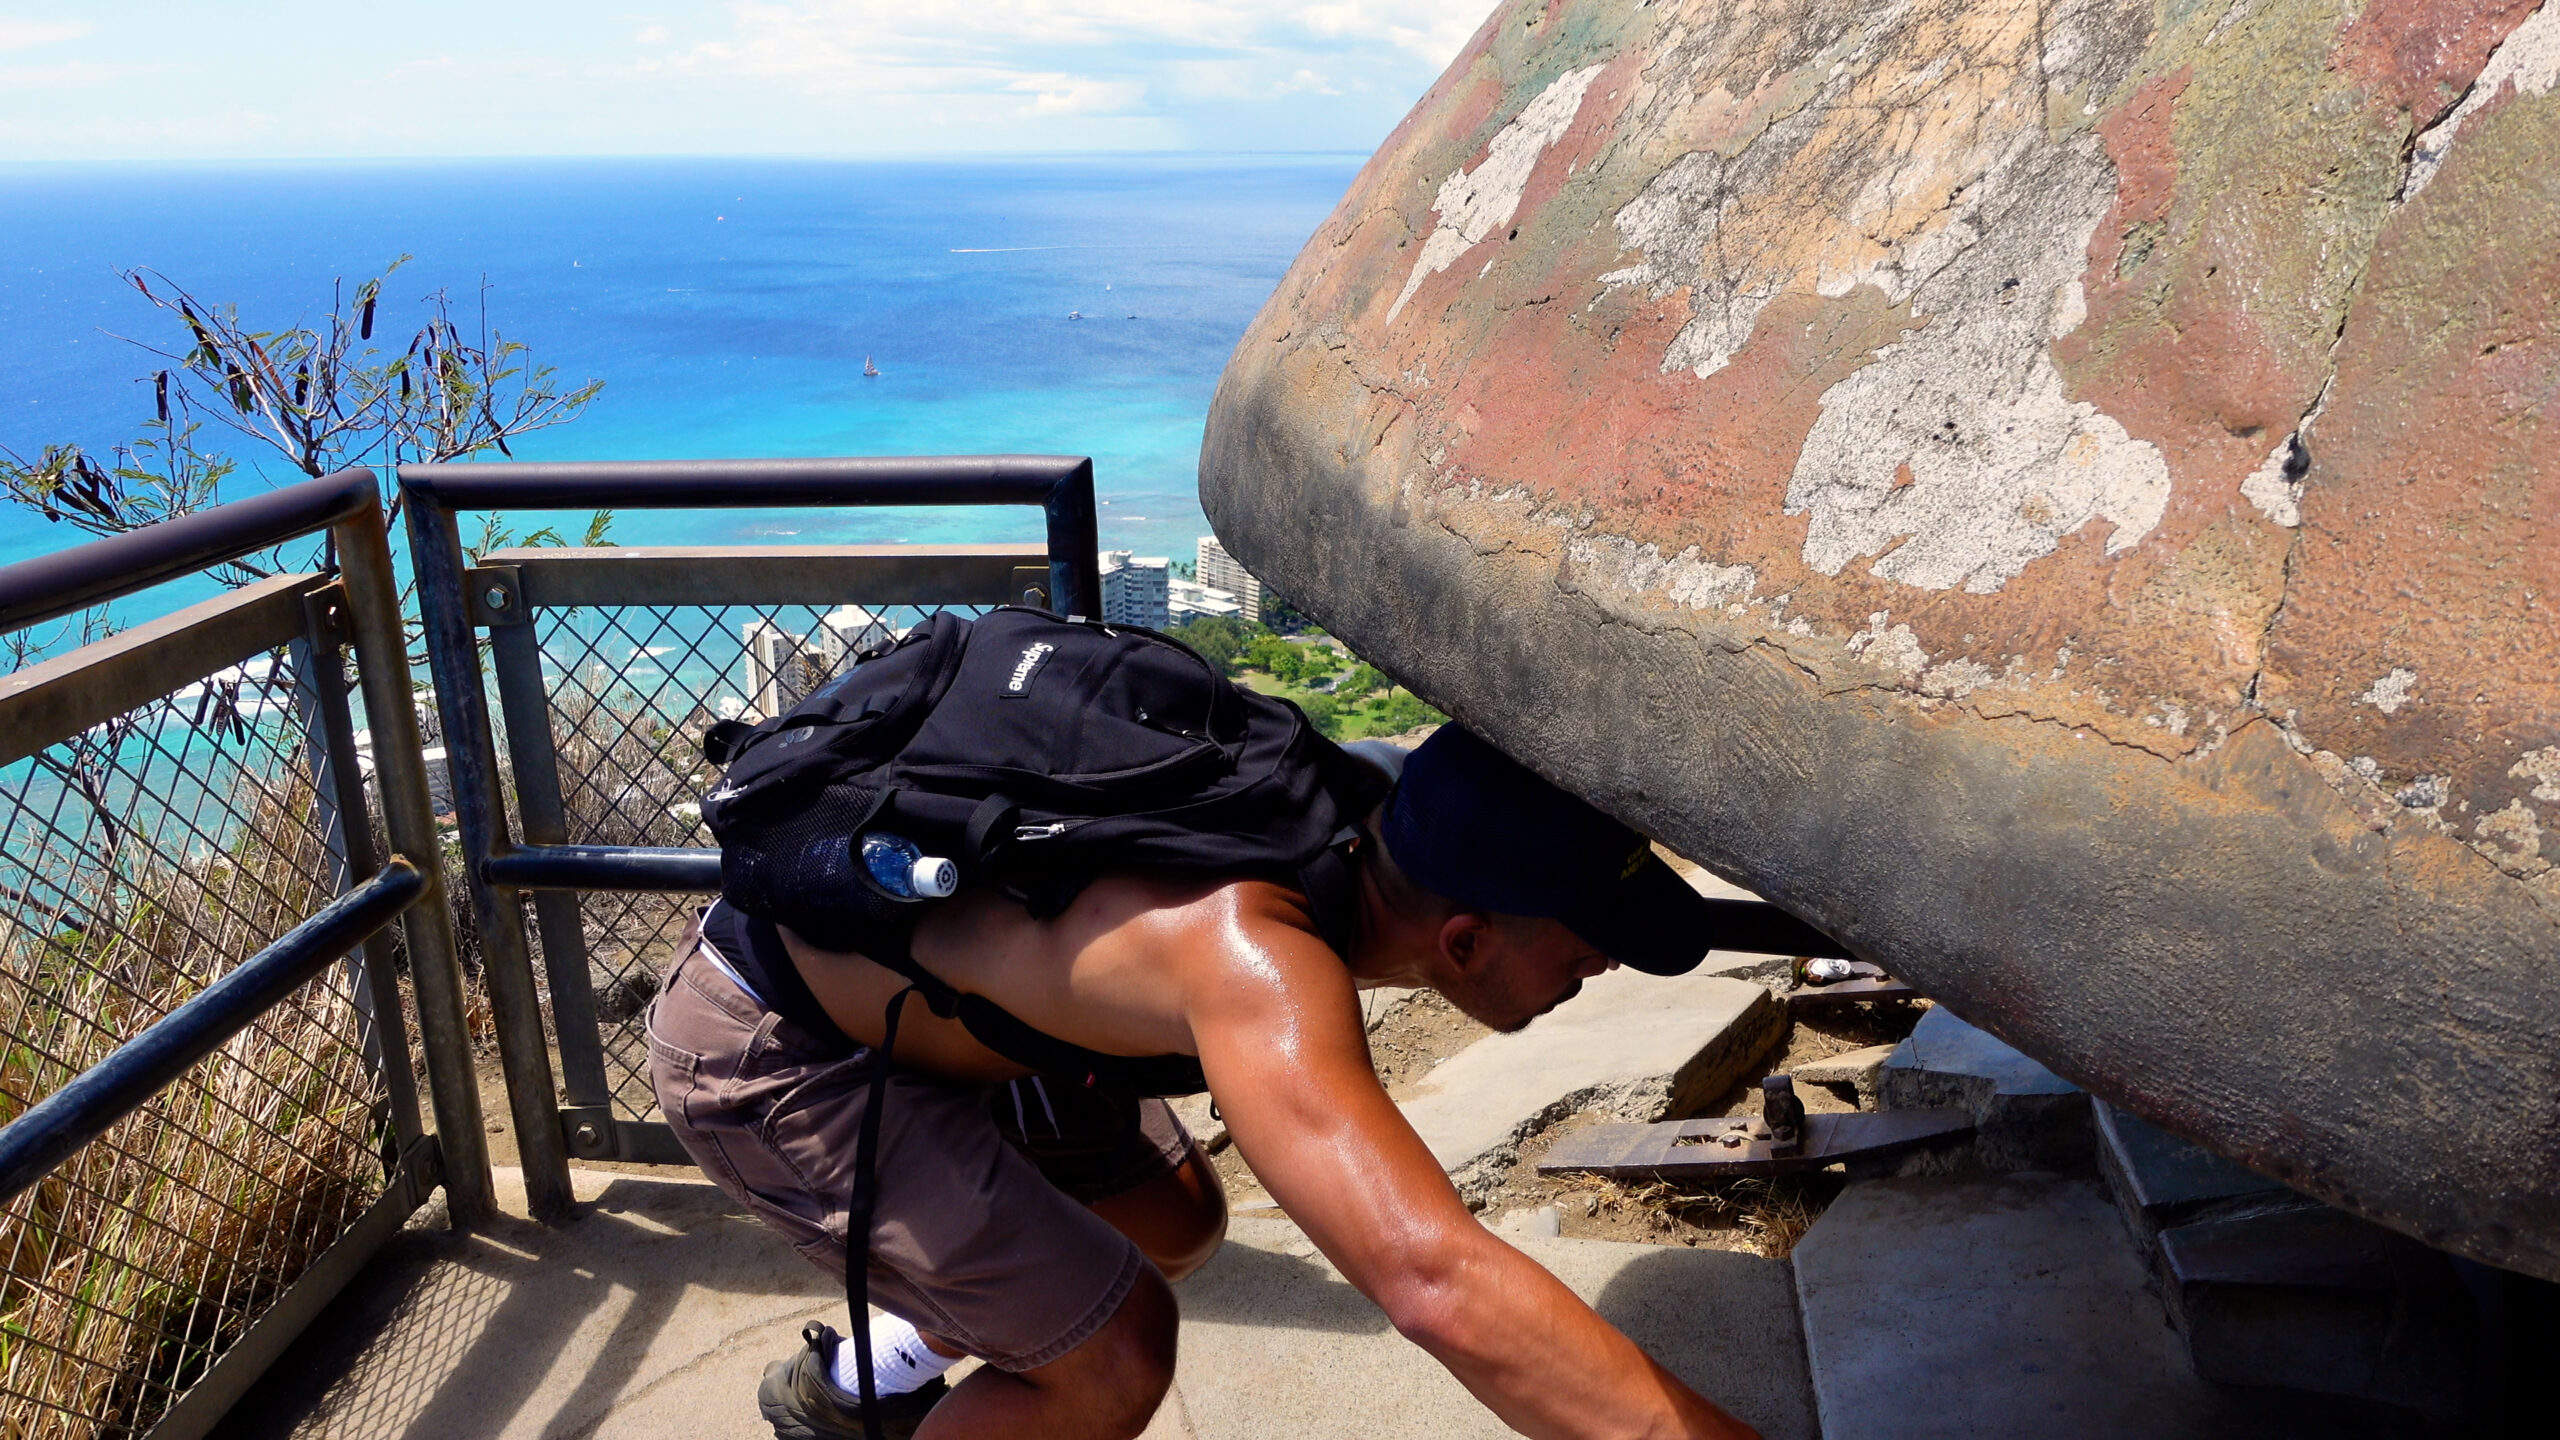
pixel 423 1163
pixel 1030 586
pixel 588 1130
pixel 495 596
pixel 324 616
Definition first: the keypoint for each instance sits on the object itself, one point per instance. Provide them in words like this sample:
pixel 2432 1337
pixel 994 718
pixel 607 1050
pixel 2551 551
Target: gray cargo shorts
pixel 981 1235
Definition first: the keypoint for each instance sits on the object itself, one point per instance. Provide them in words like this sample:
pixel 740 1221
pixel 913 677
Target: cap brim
pixel 1650 921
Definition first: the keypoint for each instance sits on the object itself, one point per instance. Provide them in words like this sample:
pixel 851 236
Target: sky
pixel 156 80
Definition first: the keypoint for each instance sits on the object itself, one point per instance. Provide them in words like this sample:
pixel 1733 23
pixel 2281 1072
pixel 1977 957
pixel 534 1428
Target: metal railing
pixel 607 665
pixel 211 1123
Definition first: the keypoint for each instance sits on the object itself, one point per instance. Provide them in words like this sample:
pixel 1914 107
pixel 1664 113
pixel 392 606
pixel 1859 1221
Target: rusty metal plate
pixel 1733 1148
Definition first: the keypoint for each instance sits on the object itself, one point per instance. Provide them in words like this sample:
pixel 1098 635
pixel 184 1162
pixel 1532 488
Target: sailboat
pixel 869 370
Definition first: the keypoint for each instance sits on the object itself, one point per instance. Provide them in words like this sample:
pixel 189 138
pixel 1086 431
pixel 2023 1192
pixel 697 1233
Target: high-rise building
pixel 1134 589
pixel 784 669
pixel 1219 571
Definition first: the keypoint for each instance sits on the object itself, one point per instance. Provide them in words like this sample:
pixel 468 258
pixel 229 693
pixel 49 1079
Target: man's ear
pixel 1463 938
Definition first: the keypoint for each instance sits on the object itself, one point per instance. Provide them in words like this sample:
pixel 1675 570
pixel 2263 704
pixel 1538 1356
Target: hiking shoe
pixel 800 1400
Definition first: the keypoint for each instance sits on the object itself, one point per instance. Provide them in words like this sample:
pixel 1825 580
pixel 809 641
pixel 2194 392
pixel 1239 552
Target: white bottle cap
pixel 934 877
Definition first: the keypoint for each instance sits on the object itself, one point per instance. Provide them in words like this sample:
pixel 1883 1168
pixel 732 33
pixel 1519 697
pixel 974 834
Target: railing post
pixel 435 550
pixel 319 660
pixel 1075 541
pixel 435 967
pixel 515 655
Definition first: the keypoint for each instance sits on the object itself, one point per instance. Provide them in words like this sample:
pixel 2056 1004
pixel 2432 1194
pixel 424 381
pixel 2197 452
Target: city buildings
pixel 1136 589
pixel 783 667
pixel 1218 570
pixel 1187 599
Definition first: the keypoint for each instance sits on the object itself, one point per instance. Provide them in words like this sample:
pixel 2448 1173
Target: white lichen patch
pixel 1896 649
pixel 2427 792
pixel 2276 486
pixel 2543 768
pixel 1684 579
pixel 2390 692
pixel 1955 679
pixel 2528 62
pixel 2513 838
pixel 1473 204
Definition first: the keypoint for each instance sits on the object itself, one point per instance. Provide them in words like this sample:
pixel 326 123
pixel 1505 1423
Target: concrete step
pixel 2271 1288
pixel 1992 1307
pixel 1274 1342
pixel 1635 1046
pixel 2025 1117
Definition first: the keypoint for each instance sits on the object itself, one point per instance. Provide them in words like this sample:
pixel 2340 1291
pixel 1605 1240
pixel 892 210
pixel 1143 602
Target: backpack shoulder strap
pixel 1332 883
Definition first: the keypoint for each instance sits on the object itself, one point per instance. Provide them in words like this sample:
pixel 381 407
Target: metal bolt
pixel 588 1136
pixel 497 597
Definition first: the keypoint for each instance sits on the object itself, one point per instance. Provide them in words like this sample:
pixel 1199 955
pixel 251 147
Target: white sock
pixel 900 1360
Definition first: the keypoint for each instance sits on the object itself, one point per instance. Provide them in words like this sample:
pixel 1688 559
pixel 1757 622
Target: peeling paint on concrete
pixel 2528 63
pixel 2391 692
pixel 1474 203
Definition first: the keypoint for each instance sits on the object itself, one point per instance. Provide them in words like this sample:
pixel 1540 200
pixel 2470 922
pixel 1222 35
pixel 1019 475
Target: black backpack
pixel 1035 753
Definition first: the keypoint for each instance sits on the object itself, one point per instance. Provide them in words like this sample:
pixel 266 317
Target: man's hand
pixel 1276 1024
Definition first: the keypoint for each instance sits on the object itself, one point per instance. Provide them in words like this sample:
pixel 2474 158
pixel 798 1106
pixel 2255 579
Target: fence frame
pixel 500 597
pixel 318 615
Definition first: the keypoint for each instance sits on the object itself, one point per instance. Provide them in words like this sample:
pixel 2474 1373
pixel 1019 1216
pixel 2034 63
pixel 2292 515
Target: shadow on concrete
pixel 523 1329
pixel 1246 1285
pixel 1723 1321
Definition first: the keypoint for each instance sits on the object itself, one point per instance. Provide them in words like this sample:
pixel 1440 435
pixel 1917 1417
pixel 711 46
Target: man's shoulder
pixel 1252 902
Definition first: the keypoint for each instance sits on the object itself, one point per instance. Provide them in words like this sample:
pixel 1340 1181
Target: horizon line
pixel 760 156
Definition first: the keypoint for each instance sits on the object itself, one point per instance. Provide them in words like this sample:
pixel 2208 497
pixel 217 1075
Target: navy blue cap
pixel 1471 823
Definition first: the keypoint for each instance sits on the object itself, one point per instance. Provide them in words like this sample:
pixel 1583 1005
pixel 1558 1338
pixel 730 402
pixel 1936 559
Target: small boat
pixel 869 370
pixel 1075 314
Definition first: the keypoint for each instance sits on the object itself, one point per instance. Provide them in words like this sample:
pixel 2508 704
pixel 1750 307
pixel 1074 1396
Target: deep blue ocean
pixel 728 305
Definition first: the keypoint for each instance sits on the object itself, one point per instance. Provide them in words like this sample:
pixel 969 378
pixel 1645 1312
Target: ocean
pixel 728 305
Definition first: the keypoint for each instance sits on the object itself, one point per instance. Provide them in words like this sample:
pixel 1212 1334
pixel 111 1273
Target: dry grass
pixel 130 1268
pixel 1773 1212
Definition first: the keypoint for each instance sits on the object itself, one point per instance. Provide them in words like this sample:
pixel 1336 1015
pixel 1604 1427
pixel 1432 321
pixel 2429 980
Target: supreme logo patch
pixel 1027 669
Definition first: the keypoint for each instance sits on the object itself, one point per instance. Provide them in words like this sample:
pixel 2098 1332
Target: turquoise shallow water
pixel 727 304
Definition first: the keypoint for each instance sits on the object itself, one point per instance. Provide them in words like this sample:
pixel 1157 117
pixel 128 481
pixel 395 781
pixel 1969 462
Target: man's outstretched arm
pixel 1278 1031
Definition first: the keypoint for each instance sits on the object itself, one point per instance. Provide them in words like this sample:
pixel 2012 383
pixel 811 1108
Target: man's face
pixel 1508 971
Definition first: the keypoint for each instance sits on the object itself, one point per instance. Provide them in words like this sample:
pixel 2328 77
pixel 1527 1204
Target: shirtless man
pixel 1034 1221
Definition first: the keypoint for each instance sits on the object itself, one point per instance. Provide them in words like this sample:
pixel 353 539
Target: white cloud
pixel 28 34
pixel 919 46
pixel 1076 95
pixel 566 77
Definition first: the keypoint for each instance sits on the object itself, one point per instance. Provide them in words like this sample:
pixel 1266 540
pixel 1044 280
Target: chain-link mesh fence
pixel 139 861
pixel 631 690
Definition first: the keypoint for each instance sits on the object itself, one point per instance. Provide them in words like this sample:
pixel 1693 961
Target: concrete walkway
pixel 653 1314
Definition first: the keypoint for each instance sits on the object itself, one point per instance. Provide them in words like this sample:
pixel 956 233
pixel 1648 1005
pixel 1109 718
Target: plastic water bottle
pixel 899 867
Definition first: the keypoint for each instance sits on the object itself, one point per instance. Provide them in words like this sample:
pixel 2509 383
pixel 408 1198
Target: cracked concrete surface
pixel 1971 471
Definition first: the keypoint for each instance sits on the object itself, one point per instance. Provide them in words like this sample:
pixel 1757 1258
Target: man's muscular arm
pixel 1277 1027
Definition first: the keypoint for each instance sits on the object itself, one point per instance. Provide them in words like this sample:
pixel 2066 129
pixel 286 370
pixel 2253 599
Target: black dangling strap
pixel 857 1220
